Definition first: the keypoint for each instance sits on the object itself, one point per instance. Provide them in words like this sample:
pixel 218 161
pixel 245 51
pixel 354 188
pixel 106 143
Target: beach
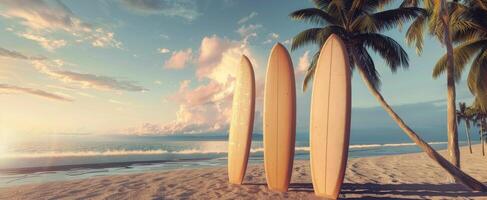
pixel 406 176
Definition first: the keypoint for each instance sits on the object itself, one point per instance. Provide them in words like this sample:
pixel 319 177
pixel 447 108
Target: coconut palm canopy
pixel 469 26
pixel 359 24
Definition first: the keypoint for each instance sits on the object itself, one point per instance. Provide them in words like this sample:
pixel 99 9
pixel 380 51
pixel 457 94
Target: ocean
pixel 69 157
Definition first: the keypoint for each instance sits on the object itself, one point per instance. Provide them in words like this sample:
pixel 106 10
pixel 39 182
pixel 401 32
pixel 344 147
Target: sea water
pixel 68 157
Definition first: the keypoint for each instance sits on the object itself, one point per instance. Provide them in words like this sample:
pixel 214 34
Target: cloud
pixel 8 89
pixel 87 80
pixel 179 59
pixel 103 38
pixel 212 50
pixel 53 69
pixel 201 109
pixel 48 44
pixel 163 50
pixel 45 17
pixel 303 64
pixel 206 106
pixel 249 30
pixel 164 36
pixel 98 81
pixel 186 9
pixel 271 37
pixel 247 18
pixel 17 55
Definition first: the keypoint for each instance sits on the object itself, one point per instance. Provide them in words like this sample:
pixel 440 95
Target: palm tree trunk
pixel 453 149
pixel 450 168
pixel 467 129
pixel 482 134
pixel 482 142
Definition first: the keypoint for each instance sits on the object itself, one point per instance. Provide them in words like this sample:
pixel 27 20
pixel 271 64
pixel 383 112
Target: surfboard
pixel 242 122
pixel 330 119
pixel 279 119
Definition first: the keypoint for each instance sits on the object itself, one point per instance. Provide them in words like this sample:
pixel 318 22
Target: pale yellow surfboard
pixel 279 119
pixel 242 123
pixel 330 119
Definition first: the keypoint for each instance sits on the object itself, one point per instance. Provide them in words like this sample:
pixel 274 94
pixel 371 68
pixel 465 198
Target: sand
pixel 408 176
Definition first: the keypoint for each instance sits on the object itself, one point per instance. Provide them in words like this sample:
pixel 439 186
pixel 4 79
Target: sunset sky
pixel 167 66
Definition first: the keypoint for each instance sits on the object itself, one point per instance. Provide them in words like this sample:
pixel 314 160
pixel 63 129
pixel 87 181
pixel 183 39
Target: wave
pixel 58 154
pixel 55 154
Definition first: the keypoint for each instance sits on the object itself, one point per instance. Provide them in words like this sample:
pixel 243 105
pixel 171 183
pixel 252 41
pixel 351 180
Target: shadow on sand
pixel 408 191
pixel 385 191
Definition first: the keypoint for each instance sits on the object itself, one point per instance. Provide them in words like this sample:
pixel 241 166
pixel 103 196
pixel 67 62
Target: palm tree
pixel 480 118
pixel 469 29
pixel 358 24
pixel 439 16
pixel 464 115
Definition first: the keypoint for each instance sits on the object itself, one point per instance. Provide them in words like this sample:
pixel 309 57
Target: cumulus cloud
pixel 303 64
pixel 247 18
pixel 163 50
pixel 9 89
pixel 186 9
pixel 17 55
pixel 212 51
pixel 45 17
pixel 179 59
pixel 205 107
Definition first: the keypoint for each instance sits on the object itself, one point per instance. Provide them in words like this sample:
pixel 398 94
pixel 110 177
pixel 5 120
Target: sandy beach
pixel 408 176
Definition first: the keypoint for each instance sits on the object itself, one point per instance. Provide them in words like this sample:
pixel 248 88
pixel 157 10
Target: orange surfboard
pixel 330 119
pixel 279 119
pixel 242 123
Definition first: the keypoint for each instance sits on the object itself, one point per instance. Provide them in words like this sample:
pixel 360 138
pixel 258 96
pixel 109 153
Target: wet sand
pixel 408 176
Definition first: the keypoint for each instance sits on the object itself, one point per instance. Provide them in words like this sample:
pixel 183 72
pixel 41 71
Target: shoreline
pixel 29 170
pixel 381 177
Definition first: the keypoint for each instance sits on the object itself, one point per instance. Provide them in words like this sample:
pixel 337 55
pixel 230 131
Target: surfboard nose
pixel 278 47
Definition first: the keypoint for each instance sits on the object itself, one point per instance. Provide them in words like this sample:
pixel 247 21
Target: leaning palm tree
pixel 439 17
pixel 358 24
pixel 463 114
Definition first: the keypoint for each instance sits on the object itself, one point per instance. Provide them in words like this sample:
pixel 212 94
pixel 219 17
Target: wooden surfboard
pixel 242 123
pixel 330 119
pixel 279 119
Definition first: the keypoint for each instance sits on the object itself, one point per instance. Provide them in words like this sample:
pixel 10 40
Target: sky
pixel 167 67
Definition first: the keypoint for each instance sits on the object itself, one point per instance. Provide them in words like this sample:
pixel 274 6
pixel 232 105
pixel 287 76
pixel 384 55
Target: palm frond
pixel 391 51
pixel 368 6
pixel 308 36
pixel 477 81
pixel 414 34
pixel 308 77
pixel 409 3
pixel 363 60
pixel 315 36
pixel 463 30
pixel 314 15
pixel 461 54
pixel 322 4
pixel 386 20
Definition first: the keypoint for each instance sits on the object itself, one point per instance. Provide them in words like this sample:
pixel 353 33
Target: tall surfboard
pixel 242 123
pixel 279 119
pixel 330 119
